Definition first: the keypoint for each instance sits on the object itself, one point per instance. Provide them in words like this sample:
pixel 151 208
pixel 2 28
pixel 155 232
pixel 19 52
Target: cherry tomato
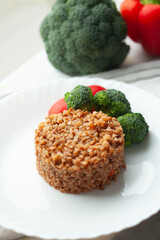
pixel 58 107
pixel 96 88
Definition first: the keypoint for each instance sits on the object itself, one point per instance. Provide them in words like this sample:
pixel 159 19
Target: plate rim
pixel 13 226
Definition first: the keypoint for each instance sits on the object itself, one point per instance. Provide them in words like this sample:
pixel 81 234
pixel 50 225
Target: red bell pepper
pixel 143 21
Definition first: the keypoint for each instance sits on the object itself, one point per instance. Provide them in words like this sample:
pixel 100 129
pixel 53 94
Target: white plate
pixel 30 206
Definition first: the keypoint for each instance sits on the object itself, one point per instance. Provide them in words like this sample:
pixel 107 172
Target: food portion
pixel 84 37
pixel 134 127
pixel 78 151
pixel 112 102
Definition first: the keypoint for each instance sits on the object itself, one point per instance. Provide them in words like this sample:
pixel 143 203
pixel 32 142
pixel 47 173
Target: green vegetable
pixel 112 102
pixel 134 126
pixel 84 36
pixel 80 97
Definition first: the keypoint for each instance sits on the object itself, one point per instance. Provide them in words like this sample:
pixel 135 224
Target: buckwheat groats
pixel 79 151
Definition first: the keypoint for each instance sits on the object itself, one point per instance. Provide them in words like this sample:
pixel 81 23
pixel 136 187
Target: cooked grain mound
pixel 79 151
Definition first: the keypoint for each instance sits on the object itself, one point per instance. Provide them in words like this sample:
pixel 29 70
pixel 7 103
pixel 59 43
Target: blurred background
pixel 19 31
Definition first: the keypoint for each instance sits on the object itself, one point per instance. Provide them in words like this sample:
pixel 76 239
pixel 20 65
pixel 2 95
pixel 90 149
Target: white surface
pixel 30 206
pixel 19 31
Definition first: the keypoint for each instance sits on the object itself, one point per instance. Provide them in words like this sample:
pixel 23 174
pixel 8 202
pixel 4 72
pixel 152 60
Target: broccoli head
pixel 84 37
pixel 80 97
pixel 134 127
pixel 112 102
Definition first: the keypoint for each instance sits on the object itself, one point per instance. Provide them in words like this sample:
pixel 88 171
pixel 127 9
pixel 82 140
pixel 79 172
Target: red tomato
pixel 58 107
pixel 96 88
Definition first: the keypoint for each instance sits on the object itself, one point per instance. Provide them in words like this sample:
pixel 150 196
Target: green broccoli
pixel 80 97
pixel 112 102
pixel 134 127
pixel 84 37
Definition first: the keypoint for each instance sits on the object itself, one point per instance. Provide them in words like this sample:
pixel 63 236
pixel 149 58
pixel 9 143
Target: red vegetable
pixel 143 21
pixel 60 106
pixel 96 88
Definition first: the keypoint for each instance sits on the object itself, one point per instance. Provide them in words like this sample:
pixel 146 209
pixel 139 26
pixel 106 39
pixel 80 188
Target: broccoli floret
pixel 112 102
pixel 80 97
pixel 134 127
pixel 84 37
